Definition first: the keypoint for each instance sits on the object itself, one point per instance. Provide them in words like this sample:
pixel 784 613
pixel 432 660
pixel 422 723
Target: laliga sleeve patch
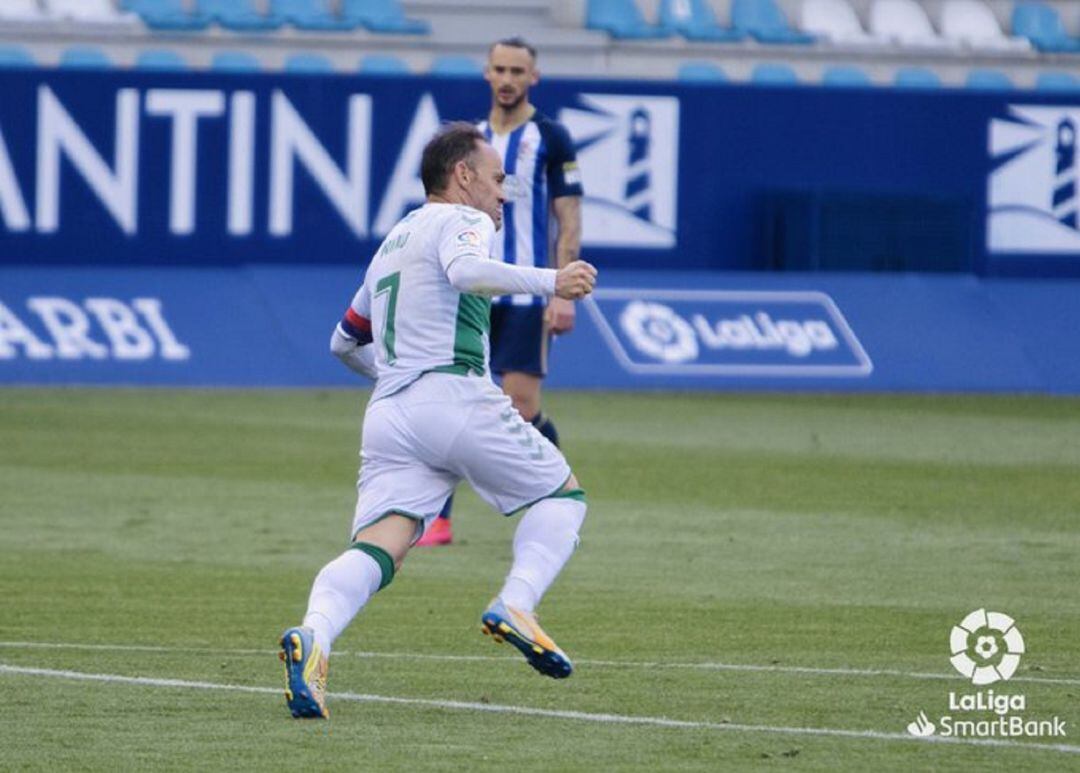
pixel 469 238
pixel 571 173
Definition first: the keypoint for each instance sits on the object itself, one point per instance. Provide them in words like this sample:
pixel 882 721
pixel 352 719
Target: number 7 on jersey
pixel 389 285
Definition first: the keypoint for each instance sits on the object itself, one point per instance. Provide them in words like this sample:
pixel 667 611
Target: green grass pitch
pixel 748 564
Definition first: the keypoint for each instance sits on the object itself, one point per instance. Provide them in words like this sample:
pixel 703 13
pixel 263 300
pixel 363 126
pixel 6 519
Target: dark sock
pixel 445 512
pixel 546 427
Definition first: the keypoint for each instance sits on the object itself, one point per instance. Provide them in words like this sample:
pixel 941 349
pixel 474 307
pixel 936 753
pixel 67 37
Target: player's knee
pixel 573 492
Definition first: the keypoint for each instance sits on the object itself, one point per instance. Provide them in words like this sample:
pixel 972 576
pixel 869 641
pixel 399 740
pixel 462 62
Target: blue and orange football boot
pixel 305 674
pixel 520 628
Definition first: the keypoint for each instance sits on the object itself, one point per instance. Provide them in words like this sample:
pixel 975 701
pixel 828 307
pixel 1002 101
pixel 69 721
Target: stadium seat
pixel 235 61
pixel 238 15
pixel 774 74
pixel 765 22
pixel 21 10
pixel 701 72
pixel 382 16
pixel 454 66
pixel 695 20
pixel 1041 25
pixel 845 76
pixel 313 15
pixel 89 11
pixel 916 78
pixel 171 15
pixel 989 80
pixel 310 63
pixel 84 57
pixel 383 64
pixel 160 59
pixel 972 23
pixel 621 19
pixel 15 57
pixel 1057 81
pixel 835 21
pixel 906 23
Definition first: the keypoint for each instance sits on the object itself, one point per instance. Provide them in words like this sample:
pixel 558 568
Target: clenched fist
pixel 575 280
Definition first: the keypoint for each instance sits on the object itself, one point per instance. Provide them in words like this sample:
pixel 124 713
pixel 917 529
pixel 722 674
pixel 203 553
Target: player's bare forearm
pixel 560 313
pixel 567 211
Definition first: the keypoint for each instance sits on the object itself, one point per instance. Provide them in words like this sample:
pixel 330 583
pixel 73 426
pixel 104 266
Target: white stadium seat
pixel 972 23
pixel 835 21
pixel 101 11
pixel 20 10
pixel 905 22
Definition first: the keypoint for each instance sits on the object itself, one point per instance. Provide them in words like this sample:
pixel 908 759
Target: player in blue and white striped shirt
pixel 542 179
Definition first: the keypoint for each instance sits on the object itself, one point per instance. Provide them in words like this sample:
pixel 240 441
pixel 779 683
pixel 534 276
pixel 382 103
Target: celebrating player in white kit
pixel 419 326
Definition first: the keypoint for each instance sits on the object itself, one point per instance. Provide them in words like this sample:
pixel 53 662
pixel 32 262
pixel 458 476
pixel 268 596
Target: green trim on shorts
pixel 382 558
pixel 576 493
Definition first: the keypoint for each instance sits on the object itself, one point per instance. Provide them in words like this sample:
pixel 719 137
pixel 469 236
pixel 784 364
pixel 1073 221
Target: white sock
pixel 339 592
pixel 543 543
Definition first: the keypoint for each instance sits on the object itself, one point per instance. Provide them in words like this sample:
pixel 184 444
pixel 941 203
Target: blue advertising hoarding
pixel 162 169
pixel 270 326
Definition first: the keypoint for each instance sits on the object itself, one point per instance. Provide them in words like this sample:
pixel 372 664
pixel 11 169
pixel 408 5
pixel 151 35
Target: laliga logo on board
pixel 659 332
pixel 727 332
pixel 986 647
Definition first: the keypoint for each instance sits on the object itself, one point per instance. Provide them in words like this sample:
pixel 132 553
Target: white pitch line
pixel 580 716
pixel 703 666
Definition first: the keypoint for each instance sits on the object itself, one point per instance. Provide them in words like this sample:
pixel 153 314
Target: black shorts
pixel 519 340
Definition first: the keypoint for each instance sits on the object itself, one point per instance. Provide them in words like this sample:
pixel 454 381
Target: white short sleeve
pixel 468 234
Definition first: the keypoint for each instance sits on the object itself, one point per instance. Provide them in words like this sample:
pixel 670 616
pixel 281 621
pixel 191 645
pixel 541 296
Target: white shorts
pixel 419 443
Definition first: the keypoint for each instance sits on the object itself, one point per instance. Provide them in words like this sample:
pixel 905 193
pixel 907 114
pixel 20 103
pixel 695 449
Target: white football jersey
pixel 419 322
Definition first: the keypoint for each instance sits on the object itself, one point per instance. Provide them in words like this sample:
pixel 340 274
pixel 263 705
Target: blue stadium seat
pixel 238 15
pixel 845 76
pixel 701 72
pixel 1057 81
pixel 774 74
pixel 695 20
pixel 160 59
pixel 235 61
pixel 383 64
pixel 916 78
pixel 621 19
pixel 313 15
pixel 989 79
pixel 1042 25
pixel 308 63
pixel 12 57
pixel 455 66
pixel 765 22
pixel 382 16
pixel 84 57
pixel 169 15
